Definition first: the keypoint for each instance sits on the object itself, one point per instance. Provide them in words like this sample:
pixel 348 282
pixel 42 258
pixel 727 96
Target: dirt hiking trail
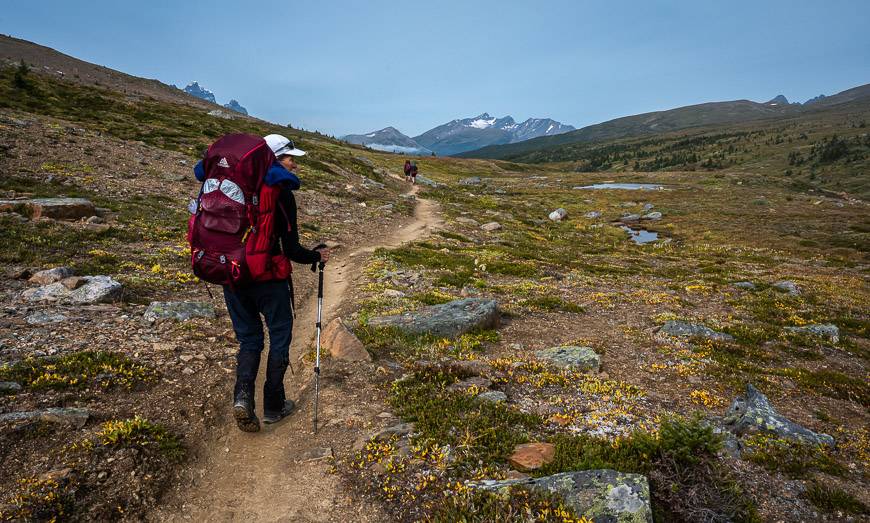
pixel 269 476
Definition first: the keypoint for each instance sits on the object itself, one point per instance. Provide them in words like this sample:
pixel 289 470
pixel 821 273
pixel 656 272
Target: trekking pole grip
pixel 321 264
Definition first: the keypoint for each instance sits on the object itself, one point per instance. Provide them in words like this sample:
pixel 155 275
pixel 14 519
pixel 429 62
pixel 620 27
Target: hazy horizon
pixel 344 68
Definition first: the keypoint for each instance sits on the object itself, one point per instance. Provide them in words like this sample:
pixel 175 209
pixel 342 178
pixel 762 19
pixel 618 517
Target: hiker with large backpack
pixel 407 170
pixel 414 172
pixel 243 235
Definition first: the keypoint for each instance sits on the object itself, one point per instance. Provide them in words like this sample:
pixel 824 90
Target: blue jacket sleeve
pixel 199 171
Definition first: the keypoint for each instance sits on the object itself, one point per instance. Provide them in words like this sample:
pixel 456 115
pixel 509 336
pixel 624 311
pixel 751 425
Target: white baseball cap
pixel 281 145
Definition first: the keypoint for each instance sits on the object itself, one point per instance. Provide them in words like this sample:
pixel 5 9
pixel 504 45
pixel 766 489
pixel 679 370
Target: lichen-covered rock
pixel 746 285
pixel 655 215
pixel 787 286
pixel 178 310
pixel 447 320
pixel 53 275
pixel 491 226
pixel 473 180
pixel 691 330
pixel 824 330
pixel 45 317
pixel 603 496
pixel 9 387
pixel 580 358
pixel 754 413
pixel 592 214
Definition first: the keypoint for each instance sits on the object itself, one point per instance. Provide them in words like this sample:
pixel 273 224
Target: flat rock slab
pixel 60 208
pixel 70 416
pixel 447 320
pixel 178 310
pixel 532 456
pixel 691 330
pixel 51 275
pixel 9 387
pixel 581 358
pixel 473 180
pixel 491 226
pixel 754 413
pixel 746 285
pixel 824 330
pixel 603 496
pixel 343 344
pixel 45 318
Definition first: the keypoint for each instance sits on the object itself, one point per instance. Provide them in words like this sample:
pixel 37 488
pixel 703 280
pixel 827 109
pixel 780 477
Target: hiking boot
pixel 243 411
pixel 273 417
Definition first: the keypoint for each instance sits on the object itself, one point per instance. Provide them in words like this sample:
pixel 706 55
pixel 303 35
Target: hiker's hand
pixel 324 254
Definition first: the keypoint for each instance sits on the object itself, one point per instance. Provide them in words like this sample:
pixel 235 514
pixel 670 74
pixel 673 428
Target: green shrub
pixel 832 499
pixel 75 370
pixel 140 433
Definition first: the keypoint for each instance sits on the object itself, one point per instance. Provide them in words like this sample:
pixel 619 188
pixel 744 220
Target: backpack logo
pixel 224 163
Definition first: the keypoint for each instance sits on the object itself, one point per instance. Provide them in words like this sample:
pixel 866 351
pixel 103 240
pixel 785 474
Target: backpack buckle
pixel 223 258
pixel 200 254
pixel 255 200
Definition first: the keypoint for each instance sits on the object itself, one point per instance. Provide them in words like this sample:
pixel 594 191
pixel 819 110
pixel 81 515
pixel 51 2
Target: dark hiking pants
pixel 272 300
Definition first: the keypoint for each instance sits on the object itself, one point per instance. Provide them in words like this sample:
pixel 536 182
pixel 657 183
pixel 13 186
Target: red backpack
pixel 231 234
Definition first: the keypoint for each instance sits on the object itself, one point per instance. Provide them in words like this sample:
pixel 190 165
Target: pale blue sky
pixel 351 67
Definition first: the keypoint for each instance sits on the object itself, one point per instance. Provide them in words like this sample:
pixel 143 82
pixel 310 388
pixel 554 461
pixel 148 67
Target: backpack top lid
pixel 243 158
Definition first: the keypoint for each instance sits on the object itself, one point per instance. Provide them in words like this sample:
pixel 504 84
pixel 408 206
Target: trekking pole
pixel 320 266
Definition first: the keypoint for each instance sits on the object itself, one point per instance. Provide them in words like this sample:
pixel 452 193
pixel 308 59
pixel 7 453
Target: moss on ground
pixel 76 370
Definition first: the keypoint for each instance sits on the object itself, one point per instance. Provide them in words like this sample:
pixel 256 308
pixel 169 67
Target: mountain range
pixel 460 135
pixel 194 89
pixel 659 122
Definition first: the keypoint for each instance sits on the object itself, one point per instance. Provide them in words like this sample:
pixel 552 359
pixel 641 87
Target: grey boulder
pixel 474 180
pixel 580 358
pixel 828 331
pixel 754 413
pixel 97 289
pixel 558 215
pixel 603 496
pixel 690 330
pixel 652 216
pixel 747 285
pixel 787 286
pixel 178 310
pixel 447 320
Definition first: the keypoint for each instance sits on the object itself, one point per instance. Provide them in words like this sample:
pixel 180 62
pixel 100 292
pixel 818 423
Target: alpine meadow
pixel 659 317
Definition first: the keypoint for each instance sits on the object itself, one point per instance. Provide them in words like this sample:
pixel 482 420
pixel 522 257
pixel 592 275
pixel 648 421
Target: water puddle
pixel 640 236
pixel 624 186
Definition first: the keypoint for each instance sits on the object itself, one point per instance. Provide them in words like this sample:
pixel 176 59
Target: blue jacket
pixel 276 174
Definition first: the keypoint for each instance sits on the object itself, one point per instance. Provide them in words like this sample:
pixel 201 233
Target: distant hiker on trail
pixel 414 172
pixel 407 170
pixel 242 236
